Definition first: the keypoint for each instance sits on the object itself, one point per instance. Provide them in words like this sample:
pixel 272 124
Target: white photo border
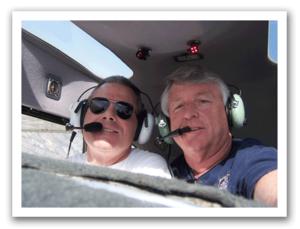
pixel 19 16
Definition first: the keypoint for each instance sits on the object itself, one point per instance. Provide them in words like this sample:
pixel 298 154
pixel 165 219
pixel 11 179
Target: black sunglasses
pixel 98 105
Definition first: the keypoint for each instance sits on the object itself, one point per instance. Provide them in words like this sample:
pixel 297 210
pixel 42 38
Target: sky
pixel 272 41
pixel 80 46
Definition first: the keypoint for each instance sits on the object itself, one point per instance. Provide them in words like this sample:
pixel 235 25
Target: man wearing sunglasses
pixel 116 104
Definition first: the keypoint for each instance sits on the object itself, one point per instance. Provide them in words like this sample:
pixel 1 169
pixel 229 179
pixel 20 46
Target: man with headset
pixel 112 118
pixel 200 100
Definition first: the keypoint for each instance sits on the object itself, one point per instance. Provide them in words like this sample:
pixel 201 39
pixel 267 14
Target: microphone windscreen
pixel 184 130
pixel 93 127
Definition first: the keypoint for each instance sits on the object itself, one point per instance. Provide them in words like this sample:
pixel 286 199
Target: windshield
pixel 80 46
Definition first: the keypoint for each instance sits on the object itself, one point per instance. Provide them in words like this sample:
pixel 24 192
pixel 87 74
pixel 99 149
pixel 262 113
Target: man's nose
pixel 190 111
pixel 110 113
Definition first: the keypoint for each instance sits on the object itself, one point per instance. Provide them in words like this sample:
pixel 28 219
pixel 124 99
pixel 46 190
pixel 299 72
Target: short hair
pixel 125 82
pixel 192 74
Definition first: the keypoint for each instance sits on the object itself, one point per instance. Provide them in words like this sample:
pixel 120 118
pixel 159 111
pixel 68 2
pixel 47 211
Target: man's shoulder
pixel 246 142
pixel 150 163
pixel 144 154
pixel 249 153
pixel 250 146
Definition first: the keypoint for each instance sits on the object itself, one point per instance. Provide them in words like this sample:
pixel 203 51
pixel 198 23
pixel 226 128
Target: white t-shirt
pixel 138 161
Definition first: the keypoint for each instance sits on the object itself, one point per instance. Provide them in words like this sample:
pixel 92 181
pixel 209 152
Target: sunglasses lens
pixel 98 105
pixel 124 110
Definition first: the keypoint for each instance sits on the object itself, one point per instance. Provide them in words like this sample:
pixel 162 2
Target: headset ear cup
pixel 236 111
pixel 76 110
pixel 162 122
pixel 140 120
pixel 83 111
pixel 146 129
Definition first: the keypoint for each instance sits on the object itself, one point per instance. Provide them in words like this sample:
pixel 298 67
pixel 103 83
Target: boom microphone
pixel 177 132
pixel 93 127
pixel 90 127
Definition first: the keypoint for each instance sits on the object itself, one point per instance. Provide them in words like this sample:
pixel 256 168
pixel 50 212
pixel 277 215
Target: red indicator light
pixel 193 49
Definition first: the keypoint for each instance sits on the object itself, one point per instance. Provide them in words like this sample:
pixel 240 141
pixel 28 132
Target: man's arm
pixel 266 189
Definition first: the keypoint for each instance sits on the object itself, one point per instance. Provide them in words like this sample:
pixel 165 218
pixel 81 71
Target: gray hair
pixel 125 82
pixel 192 74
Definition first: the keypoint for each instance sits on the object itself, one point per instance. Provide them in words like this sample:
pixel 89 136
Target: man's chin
pixel 104 144
pixel 190 143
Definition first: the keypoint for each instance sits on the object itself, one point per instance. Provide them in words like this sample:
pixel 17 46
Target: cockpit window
pixel 80 46
pixel 272 41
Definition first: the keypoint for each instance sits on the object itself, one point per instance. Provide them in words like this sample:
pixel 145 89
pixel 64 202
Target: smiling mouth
pixel 191 129
pixel 110 130
pixel 196 128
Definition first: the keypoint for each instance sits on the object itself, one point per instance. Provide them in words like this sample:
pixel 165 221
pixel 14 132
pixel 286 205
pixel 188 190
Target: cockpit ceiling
pixel 167 37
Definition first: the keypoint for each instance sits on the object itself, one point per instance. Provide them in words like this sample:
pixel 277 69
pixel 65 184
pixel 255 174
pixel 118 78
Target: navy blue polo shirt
pixel 247 162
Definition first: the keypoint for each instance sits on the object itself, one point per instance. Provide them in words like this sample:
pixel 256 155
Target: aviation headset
pixel 234 108
pixel 145 119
